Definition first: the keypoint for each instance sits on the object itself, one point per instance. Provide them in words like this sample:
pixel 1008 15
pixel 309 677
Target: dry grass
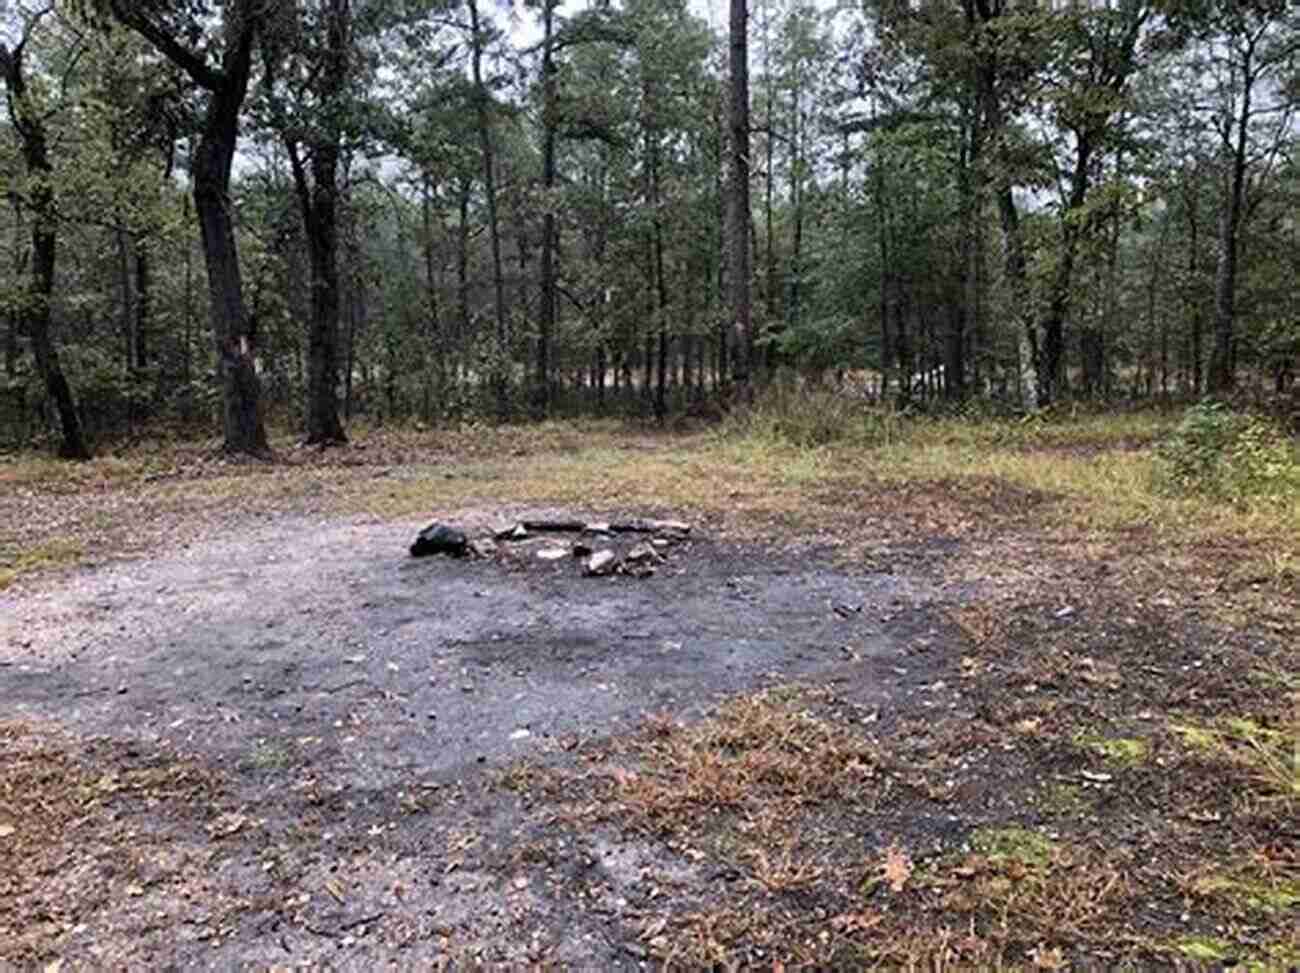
pixel 1087 480
pixel 1117 784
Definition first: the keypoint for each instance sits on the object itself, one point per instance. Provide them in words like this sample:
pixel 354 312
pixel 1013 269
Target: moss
pixel 1119 751
pixel 1257 896
pixel 1065 799
pixel 1014 844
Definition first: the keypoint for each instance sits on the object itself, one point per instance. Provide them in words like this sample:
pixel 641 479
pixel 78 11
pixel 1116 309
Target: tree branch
pixel 196 67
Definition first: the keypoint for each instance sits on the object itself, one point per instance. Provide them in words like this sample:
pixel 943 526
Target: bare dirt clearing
pixel 949 727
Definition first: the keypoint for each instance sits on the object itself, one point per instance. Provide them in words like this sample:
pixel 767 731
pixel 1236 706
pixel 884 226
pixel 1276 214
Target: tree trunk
pixel 143 300
pixel 29 126
pixel 318 199
pixel 796 202
pixel 742 354
pixel 500 375
pixel 1222 375
pixel 437 340
pixel 20 257
pixel 226 88
pixel 462 266
pixel 546 312
pixel 1193 273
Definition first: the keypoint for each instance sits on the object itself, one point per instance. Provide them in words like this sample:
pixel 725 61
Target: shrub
pixel 1214 451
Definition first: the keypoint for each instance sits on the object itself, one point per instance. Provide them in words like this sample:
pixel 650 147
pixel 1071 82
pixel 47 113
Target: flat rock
pixel 670 526
pixel 601 563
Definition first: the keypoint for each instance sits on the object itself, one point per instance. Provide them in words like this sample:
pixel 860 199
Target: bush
pixel 1214 451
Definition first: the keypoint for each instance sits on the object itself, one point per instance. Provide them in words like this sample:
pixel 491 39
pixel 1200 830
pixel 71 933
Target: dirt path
pixel 343 714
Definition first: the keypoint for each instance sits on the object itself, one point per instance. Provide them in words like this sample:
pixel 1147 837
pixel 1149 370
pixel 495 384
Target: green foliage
pixel 1216 452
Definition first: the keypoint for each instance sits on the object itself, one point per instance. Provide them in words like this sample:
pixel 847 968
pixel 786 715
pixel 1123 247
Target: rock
pixel 601 563
pixel 440 538
pixel 552 553
pixel 643 554
pixel 511 532
pixel 596 527
pixel 670 527
pixel 483 547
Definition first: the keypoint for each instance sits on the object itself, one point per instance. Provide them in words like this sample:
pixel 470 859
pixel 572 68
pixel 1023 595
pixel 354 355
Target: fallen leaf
pixel 335 889
pixel 896 868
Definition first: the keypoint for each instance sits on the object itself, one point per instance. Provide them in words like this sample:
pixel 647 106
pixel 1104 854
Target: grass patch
pixel 757 753
pixel 1116 751
pixel 1013 844
pixel 46 556
pixel 1268 755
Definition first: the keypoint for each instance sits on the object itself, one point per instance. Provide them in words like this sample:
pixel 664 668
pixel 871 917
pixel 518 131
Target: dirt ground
pixel 287 744
pixel 343 712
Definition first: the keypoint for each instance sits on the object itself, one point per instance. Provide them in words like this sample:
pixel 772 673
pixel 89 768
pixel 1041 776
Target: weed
pixel 1269 755
pixel 1119 751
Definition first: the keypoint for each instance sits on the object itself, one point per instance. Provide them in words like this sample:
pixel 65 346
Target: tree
pixel 478 36
pixel 310 54
pixel 183 35
pixel 27 117
pixel 1252 51
pixel 739 217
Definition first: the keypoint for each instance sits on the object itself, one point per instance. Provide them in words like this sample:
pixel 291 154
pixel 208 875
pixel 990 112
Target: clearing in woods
pixel 975 696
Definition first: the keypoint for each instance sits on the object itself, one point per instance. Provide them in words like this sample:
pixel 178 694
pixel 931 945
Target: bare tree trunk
pixel 1222 373
pixel 318 199
pixel 462 263
pixel 796 201
pixel 143 300
pixel 437 338
pixel 20 257
pixel 500 375
pixel 1193 245
pixel 547 311
pixel 126 285
pixel 741 312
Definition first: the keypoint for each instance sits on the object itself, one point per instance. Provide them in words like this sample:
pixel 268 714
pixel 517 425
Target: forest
pixel 220 215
